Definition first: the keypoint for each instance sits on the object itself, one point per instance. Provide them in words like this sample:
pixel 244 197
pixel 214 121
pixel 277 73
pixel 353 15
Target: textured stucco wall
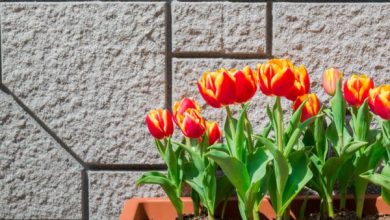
pixel 78 77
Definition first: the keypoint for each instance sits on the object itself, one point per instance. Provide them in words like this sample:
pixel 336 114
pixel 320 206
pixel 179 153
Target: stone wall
pixel 77 79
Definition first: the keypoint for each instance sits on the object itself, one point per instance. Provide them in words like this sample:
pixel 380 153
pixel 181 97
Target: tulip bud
pixel 311 107
pixel 246 84
pixel 356 89
pixel 379 101
pixel 213 131
pixel 159 123
pixel 191 123
pixel 275 77
pixel 329 80
pixel 217 88
pixel 301 83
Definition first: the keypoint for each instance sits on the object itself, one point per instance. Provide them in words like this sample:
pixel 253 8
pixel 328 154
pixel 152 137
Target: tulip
pixel 160 123
pixel 191 123
pixel 311 107
pixel 329 80
pixel 275 77
pixel 181 106
pixel 213 131
pixel 217 88
pixel 245 81
pixel 379 101
pixel 301 83
pixel 356 89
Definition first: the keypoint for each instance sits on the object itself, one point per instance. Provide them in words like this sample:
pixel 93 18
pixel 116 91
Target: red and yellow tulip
pixel 379 101
pixel 181 106
pixel 160 123
pixel 301 83
pixel 246 84
pixel 191 123
pixel 217 88
pixel 275 77
pixel 356 89
pixel 311 107
pixel 213 131
pixel 329 80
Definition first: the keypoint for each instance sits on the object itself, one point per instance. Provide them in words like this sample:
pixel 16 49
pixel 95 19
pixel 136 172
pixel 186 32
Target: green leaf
pixel 362 123
pixel 160 148
pixel 382 179
pixel 280 164
pixel 239 140
pixel 228 133
pixel 294 121
pixel 300 175
pixel 352 147
pixel 171 161
pixel 257 164
pixel 251 197
pixel 195 156
pixel 345 174
pixel 321 144
pixel 168 187
pixel 331 169
pixel 234 169
pixel 338 106
pixel 224 189
pixel 210 187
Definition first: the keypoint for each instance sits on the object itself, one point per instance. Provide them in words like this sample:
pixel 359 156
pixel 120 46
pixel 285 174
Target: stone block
pixel 109 190
pixel 90 71
pixel 350 36
pixel 38 179
pixel 218 27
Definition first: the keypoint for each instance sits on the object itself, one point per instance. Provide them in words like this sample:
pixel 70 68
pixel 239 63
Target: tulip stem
pixel 248 130
pixel 231 124
pixel 279 121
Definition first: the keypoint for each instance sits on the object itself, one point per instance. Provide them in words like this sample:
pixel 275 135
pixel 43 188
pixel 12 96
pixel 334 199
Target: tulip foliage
pixel 320 146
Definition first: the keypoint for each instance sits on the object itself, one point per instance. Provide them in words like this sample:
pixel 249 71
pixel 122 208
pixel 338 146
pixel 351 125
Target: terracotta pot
pixel 162 209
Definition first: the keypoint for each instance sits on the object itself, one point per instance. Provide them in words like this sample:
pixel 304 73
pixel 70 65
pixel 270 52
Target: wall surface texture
pixel 77 79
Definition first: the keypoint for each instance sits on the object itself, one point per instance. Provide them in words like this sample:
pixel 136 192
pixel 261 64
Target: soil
pixel 350 215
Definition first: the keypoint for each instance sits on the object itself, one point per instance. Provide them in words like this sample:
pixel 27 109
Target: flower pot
pixel 162 209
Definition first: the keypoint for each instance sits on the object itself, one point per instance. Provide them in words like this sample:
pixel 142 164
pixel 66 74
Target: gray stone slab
pixel 109 190
pixel 90 71
pixel 186 72
pixel 218 27
pixel 38 179
pixel 353 37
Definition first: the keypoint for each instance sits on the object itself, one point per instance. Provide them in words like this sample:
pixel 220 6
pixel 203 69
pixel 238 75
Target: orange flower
pixel 379 101
pixel 329 80
pixel 181 106
pixel 356 89
pixel 311 108
pixel 217 88
pixel 191 123
pixel 275 77
pixel 301 83
pixel 159 123
pixel 213 131
pixel 246 87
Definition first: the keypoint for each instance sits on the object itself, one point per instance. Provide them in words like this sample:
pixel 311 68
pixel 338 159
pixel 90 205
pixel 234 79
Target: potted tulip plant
pixel 319 147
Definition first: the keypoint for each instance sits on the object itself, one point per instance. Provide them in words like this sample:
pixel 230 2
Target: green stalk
pixel 224 208
pixel 256 211
pixel 359 206
pixel 210 216
pixel 248 130
pixel 279 121
pixel 329 202
pixel 343 198
pixel 231 124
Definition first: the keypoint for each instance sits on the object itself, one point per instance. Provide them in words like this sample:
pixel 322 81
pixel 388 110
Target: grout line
pixel 125 167
pixel 43 125
pixel 84 195
pixel 269 36
pixel 168 56
pixel 208 55
pixel 1 54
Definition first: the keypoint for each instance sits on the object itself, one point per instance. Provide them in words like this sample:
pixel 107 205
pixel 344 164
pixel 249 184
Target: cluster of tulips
pixel 318 147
